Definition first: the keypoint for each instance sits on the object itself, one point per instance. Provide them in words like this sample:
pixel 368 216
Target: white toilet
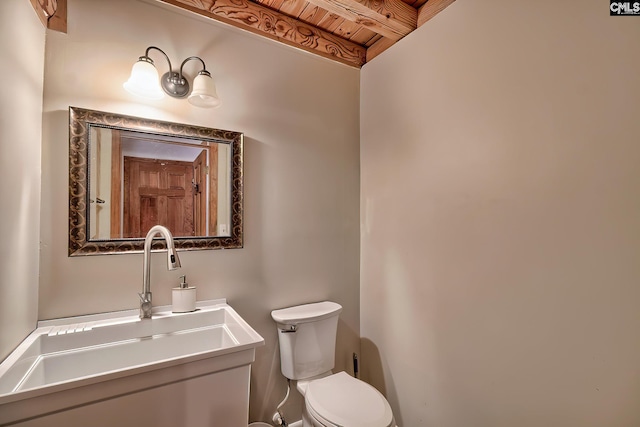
pixel 307 335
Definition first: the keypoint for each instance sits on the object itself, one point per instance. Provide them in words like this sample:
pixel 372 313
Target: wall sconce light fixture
pixel 144 82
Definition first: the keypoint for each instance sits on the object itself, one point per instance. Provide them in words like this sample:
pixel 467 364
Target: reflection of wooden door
pixel 200 193
pixel 200 173
pixel 157 192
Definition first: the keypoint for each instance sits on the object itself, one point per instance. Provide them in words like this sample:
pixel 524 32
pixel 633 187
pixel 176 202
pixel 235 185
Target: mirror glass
pixel 128 174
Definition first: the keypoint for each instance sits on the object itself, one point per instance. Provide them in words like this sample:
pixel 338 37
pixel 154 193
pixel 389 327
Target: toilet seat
pixel 341 400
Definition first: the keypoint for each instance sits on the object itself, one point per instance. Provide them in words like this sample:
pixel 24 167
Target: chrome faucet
pixel 173 262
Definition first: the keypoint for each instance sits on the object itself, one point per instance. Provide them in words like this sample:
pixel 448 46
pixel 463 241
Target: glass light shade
pixel 144 81
pixel 204 92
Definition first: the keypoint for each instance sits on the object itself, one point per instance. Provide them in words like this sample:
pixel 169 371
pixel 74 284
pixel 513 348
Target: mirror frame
pixel 80 122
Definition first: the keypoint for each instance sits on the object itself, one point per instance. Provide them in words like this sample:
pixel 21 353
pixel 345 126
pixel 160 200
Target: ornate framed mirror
pixel 127 174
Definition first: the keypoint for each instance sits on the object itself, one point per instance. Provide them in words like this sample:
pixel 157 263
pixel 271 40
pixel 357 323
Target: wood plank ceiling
pixel 352 32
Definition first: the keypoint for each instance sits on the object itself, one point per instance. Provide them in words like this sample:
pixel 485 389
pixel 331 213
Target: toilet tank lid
pixel 306 313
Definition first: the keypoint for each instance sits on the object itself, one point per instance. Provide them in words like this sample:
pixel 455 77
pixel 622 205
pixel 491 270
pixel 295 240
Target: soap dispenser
pixel 184 297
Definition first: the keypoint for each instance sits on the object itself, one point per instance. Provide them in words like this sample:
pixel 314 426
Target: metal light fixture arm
pixel 147 58
pixel 173 83
pixel 204 66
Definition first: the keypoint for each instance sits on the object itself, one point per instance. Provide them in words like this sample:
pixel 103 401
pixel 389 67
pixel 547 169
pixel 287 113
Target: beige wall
pixel 300 117
pixel 500 271
pixel 22 50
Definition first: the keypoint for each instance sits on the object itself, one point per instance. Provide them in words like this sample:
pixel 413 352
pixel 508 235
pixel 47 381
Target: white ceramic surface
pixel 77 351
pixel 310 350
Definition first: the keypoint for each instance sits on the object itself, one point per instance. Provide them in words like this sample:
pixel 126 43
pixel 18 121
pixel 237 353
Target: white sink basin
pixel 54 367
pixel 76 352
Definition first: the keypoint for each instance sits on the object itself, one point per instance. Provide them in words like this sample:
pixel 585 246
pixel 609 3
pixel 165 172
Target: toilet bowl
pixel 340 400
pixel 307 338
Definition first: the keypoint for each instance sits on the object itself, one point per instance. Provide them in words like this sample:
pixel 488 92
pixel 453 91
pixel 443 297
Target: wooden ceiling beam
pixel 392 19
pixel 277 26
pixel 378 47
pixel 58 21
pixel 427 11
pixel 52 14
pixel 430 9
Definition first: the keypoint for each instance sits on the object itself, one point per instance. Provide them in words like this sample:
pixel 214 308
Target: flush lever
pixel 289 329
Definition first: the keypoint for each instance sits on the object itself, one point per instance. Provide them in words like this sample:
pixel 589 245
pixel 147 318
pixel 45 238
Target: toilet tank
pixel 307 336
